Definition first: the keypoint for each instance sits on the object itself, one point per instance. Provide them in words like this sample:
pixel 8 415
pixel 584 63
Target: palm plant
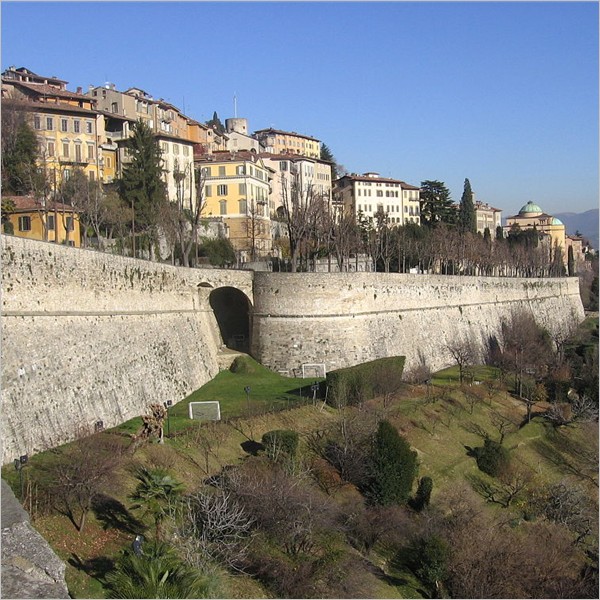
pixel 156 491
pixel 157 573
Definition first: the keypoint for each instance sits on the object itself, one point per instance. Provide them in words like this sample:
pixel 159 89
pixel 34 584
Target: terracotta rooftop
pixel 47 90
pixel 403 184
pixel 280 132
pixel 29 203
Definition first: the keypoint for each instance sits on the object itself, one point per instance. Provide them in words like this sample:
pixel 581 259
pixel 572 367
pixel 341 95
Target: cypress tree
pixel 467 219
pixel 571 262
pixel 142 186
pixel 394 467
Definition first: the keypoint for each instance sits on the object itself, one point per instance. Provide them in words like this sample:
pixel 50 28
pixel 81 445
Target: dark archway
pixel 233 312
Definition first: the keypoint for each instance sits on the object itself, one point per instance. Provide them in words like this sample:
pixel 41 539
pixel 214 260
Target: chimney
pixel 79 89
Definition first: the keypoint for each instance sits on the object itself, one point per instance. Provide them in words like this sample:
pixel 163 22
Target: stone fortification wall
pixel 88 336
pixel 343 319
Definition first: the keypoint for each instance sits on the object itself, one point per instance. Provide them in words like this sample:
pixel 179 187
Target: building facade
pixel 32 218
pixel 368 194
pixel 276 141
pixel 487 217
pixel 69 129
pixel 236 188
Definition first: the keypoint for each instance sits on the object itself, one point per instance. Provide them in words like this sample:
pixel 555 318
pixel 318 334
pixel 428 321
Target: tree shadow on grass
pixel 97 567
pixel 113 515
pixel 251 447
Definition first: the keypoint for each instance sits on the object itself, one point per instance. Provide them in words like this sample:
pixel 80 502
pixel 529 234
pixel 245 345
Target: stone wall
pixel 342 319
pixel 88 336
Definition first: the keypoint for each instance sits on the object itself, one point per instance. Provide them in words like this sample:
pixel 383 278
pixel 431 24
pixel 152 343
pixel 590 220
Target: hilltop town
pixel 272 198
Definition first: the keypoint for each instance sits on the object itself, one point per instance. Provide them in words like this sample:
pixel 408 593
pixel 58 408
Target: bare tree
pixel 81 472
pixel 464 354
pixel 213 526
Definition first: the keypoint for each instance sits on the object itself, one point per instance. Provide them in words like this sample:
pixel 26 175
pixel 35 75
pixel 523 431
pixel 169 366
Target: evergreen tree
pixel 436 204
pixel 467 219
pixel 394 466
pixel 215 122
pixel 499 233
pixel 487 236
pixel 423 495
pixel 20 152
pixel 142 186
pixel 571 262
pixel 327 154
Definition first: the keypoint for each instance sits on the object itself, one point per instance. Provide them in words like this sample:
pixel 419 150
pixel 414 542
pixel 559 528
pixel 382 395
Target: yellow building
pixel 66 123
pixel 30 218
pixel 236 192
pixel 288 142
pixel 531 215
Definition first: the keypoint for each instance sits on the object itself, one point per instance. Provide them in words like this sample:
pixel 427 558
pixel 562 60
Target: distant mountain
pixel 586 223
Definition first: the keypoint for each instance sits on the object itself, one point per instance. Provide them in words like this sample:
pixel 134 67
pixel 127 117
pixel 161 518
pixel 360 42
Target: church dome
pixel 556 221
pixel 531 209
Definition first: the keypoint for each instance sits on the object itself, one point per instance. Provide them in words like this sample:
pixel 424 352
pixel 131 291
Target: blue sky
pixel 504 93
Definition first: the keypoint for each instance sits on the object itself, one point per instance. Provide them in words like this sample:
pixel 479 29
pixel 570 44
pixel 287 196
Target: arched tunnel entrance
pixel 233 313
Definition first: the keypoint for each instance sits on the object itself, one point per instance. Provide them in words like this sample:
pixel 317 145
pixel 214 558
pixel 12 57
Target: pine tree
pixel 467 219
pixel 327 155
pixel 436 204
pixel 394 466
pixel 142 186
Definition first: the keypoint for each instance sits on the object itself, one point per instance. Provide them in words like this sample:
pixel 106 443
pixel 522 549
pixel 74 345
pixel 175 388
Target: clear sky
pixel 504 93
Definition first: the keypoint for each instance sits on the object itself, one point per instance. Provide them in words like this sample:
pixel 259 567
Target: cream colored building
pixel 488 217
pixel 313 177
pixel 276 141
pixel 174 132
pixel 369 193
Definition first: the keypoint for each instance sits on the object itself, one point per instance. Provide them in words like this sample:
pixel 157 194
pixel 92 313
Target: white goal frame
pixel 314 366
pixel 191 413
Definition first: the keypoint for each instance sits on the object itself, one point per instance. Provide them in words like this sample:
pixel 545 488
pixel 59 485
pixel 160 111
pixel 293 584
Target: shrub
pixel 243 365
pixel 280 441
pixel 493 458
pixel 356 384
pixel 394 467
pixel 429 561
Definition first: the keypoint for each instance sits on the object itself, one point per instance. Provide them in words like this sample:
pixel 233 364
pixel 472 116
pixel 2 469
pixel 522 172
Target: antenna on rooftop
pixel 234 105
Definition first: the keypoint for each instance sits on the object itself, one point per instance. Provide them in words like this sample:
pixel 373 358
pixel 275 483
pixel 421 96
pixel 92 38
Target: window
pixel 76 126
pixel 90 151
pixel 208 191
pixel 37 122
pixel 114 107
pixel 206 171
pixel 51 149
pixel 186 151
pixel 64 125
pixel 283 165
pixel 379 194
pixel 241 170
pixel 50 223
pixel 67 174
pixel 49 123
pixel 24 223
pixel 89 127
pixel 78 152
pixel 175 148
pixel 242 188
pixel 108 162
pixel 223 207
pixel 65 152
pixel 221 171
pixel 243 207
pixel 69 224
pixel 221 190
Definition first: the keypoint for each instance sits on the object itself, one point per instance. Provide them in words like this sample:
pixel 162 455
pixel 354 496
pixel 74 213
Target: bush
pixel 493 458
pixel 394 467
pixel 244 365
pixel 429 561
pixel 353 385
pixel 280 441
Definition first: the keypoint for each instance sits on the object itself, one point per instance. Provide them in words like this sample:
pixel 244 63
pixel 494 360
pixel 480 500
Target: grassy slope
pixel 439 429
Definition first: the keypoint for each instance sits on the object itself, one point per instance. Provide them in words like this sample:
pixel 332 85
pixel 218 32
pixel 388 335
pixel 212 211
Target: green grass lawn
pixel 268 391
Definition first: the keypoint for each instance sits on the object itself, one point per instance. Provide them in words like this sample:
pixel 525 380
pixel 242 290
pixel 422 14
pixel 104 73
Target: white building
pixel 369 193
